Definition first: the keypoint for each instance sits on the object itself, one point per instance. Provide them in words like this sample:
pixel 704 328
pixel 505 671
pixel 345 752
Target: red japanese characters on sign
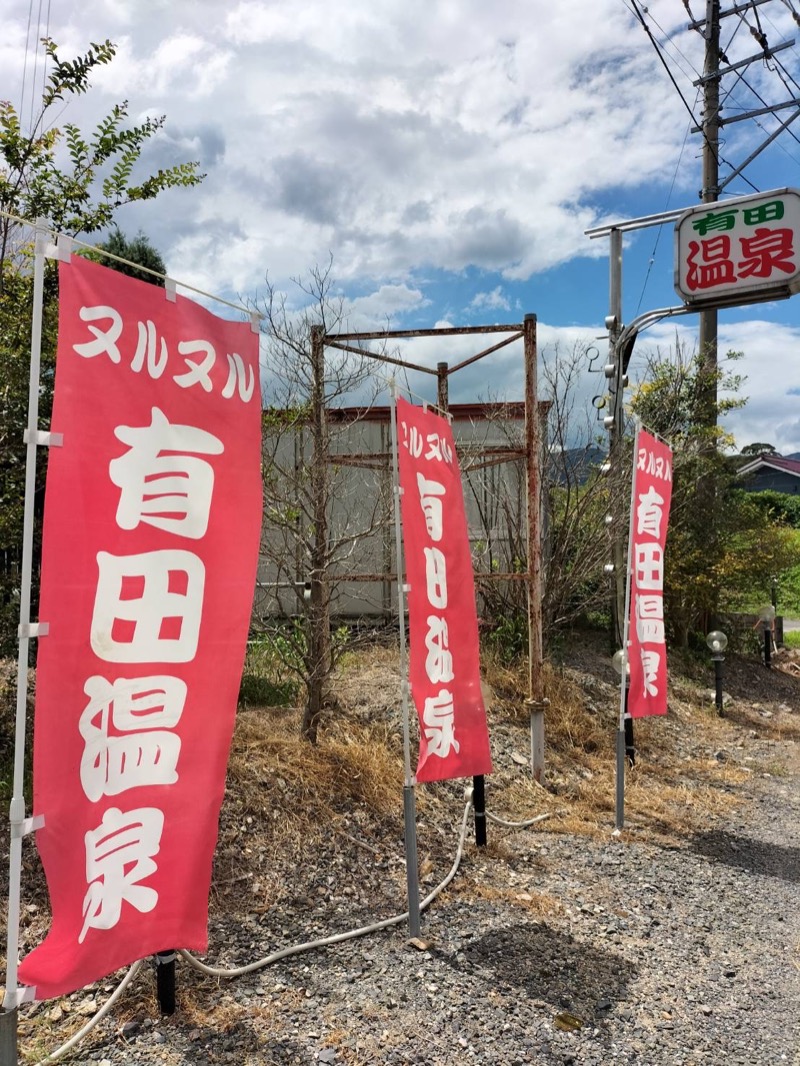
pixel 737 248
pixel 647 649
pixel 444 667
pixel 150 545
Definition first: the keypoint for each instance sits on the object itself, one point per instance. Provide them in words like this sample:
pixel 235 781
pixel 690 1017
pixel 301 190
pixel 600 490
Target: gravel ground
pixel 655 954
pixel 547 948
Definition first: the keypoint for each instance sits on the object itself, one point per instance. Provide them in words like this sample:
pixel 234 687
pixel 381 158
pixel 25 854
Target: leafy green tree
pixel 759 448
pixel 720 541
pixel 780 507
pixel 137 251
pixel 77 183
pixel 83 194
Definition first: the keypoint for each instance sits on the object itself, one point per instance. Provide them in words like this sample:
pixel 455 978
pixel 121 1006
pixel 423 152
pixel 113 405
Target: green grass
pixel 792 639
pixel 789 592
pixel 267 678
pixel 750 599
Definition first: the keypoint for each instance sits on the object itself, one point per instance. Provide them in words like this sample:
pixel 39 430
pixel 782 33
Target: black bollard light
pixel 479 807
pixel 717 642
pixel 766 616
pixel 630 748
pixel 617 662
pixel 165 981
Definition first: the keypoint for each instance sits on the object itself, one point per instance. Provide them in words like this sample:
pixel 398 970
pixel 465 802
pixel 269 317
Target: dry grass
pixel 273 771
pixel 572 720
pixel 284 796
pixel 574 724
pixel 673 790
pixel 669 794
pixel 667 800
pixel 534 904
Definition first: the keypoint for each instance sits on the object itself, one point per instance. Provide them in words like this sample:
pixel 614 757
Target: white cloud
pixel 349 118
pixel 769 368
pixel 381 309
pixel 493 299
pixel 408 141
pixel 183 65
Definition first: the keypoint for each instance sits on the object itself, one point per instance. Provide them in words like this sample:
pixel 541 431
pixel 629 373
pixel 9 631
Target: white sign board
pixel 739 251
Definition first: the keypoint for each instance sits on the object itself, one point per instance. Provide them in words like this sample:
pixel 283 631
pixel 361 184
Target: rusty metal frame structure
pixel 526 332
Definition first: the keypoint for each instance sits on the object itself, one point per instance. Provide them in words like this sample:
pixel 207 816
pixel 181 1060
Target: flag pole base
pixel 412 871
pixel 8 1037
pixel 620 809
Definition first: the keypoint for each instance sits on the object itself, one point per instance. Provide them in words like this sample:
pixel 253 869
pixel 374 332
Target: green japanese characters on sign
pixel 772 211
pixel 739 251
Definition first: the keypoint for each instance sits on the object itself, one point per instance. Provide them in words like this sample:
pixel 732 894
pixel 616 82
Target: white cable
pixel 456 862
pixel 337 938
pixel 109 1003
pixel 521 825
pixel 260 963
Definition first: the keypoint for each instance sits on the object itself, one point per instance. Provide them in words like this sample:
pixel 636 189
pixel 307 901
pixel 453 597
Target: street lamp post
pixel 616 661
pixel 625 747
pixel 766 616
pixel 717 642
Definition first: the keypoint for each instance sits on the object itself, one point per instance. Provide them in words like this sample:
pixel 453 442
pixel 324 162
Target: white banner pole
pixel 623 680
pixel 409 795
pixel 18 825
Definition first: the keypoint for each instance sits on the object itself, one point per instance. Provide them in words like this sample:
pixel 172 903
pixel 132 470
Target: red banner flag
pixel 647 650
pixel 150 545
pixel 444 665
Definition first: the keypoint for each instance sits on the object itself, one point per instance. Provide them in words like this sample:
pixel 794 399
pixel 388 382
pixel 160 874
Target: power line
pixel 778 68
pixel 25 61
pixel 658 49
pixel 659 229
pixel 668 39
pixel 44 64
pixel 35 63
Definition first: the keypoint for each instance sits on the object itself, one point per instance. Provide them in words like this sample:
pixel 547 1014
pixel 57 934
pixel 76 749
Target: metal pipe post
pixel 615 431
pixel 442 387
pixel 710 191
pixel 165 981
pixel 620 780
pixel 8 1038
pixel 8 1020
pixel 533 455
pixel 412 864
pixel 409 796
pixel 767 646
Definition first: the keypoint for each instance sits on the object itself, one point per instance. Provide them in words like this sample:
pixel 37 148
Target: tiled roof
pixel 773 462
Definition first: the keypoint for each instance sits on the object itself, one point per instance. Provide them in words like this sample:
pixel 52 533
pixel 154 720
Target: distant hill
pixel 574 464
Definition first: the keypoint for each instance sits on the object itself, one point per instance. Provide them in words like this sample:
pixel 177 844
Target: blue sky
pixel 447 157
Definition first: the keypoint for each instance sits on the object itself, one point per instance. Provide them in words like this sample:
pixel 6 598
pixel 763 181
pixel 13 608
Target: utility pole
pixel 713 121
pixel 710 190
pixel 615 424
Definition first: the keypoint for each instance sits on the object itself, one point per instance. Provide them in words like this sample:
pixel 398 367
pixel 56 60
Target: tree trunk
pixel 319 621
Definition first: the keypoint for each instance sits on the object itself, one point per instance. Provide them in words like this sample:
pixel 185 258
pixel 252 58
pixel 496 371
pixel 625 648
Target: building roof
pixel 771 462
